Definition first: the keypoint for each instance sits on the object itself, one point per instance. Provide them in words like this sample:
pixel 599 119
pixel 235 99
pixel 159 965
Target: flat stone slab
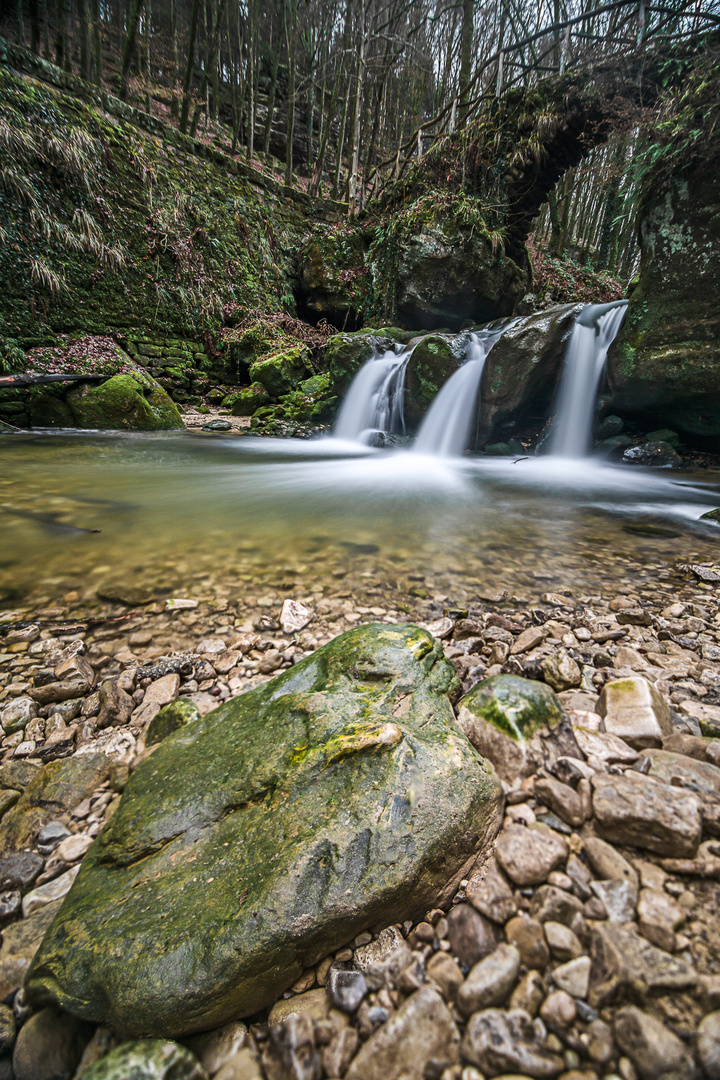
pixel 254 841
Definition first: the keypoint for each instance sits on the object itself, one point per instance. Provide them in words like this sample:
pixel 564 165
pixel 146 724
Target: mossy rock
pixel 177 714
pixel 711 515
pixel 665 363
pixel 147 1059
pixel 130 402
pixel 247 400
pixel 311 403
pixel 501 715
pixel 434 359
pixel 253 842
pixel 281 372
pixel 47 407
pixel 346 353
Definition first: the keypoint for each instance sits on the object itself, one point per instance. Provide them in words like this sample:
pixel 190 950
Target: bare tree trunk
pixel 187 82
pixel 291 39
pixel 97 42
pixel 60 15
pixel 273 87
pixel 129 47
pixel 467 31
pixel 359 87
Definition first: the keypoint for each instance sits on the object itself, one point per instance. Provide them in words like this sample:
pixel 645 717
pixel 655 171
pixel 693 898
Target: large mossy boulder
pixel 448 273
pixel 244 402
pixel 434 359
pixel 500 717
pixel 131 401
pixel 666 361
pixel 346 353
pixel 280 372
pixel 523 368
pixel 339 796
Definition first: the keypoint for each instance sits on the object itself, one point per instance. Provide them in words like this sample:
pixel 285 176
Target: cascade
pixel 375 398
pixel 445 431
pixel 595 330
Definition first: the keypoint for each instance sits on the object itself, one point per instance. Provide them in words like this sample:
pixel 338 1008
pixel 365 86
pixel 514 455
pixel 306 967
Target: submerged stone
pixel 501 714
pixel 171 717
pixel 132 401
pixel 148 1059
pixel 253 842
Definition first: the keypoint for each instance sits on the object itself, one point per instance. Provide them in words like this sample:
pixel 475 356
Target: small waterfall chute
pixel 375 400
pixel 595 329
pixel 446 429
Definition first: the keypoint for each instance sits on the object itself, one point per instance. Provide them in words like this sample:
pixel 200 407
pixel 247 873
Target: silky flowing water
pixel 395 532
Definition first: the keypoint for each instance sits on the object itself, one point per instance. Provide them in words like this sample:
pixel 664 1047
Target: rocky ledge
pixel 582 944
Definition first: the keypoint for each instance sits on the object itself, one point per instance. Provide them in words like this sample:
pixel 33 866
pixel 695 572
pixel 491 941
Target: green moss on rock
pixel 282 371
pixel 177 714
pixel 246 401
pixel 518 707
pixel 131 402
pixel 338 796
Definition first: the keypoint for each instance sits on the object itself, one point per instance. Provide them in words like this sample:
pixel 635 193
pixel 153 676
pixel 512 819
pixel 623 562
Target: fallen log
pixel 32 380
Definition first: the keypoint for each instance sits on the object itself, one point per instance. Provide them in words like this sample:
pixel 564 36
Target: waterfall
pixel 375 398
pixel 445 431
pixel 595 330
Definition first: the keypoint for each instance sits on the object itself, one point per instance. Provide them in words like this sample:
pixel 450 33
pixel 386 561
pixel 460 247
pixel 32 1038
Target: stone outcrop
pixel 339 796
pixel 666 362
pixel 522 370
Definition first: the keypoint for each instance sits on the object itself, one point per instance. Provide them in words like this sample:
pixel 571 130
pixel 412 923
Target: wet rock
pixel 115 705
pixel 10 902
pixel 17 715
pixel 434 359
pixel 523 367
pixel 214 1049
pixel 489 893
pixel 560 671
pixel 529 993
pixel 383 958
pixel 708 1045
pixel 562 800
pixel 19 870
pixel 62 690
pixel 504 1042
pixel 490 981
pixel 618 899
pixel 260 813
pixel 445 974
pixel 421 1030
pixel 132 401
pixel 632 809
pixel 55 789
pixel 49 1046
pixel 19 944
pixel 147 1059
pixel 7 1028
pixel 471 935
pixel 678 770
pixel 291 1053
pixel 499 717
pixel 607 863
pixel 653 1049
pixel 634 711
pixel 217 425
pixel 528 936
pixel 170 718
pixel 160 692
pixel 558 1010
pixel 658 454
pixel 527 855
pixel 46 894
pixel 346 989
pixel 338 1054
pixel 665 362
pixel 624 964
pixel 313 1002
pixel 564 944
pixel 294 616
pixel 573 977
pixel 659 916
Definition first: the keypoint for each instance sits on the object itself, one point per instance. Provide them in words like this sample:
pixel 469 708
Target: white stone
pixel 180 604
pixel 73 848
pixel 574 977
pixel 440 629
pixel 294 616
pixel 604 747
pixel 635 711
pixel 45 894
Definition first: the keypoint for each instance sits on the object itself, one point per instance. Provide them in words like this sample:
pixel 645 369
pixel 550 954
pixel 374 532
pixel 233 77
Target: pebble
pixel 471 935
pixel 528 936
pixel 636 811
pixel 652 1048
pixel 346 989
pixel 527 855
pixel 490 981
pixel 558 1010
pixel 502 1042
pixel 421 1030
pixel 708 1045
pixel 574 976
